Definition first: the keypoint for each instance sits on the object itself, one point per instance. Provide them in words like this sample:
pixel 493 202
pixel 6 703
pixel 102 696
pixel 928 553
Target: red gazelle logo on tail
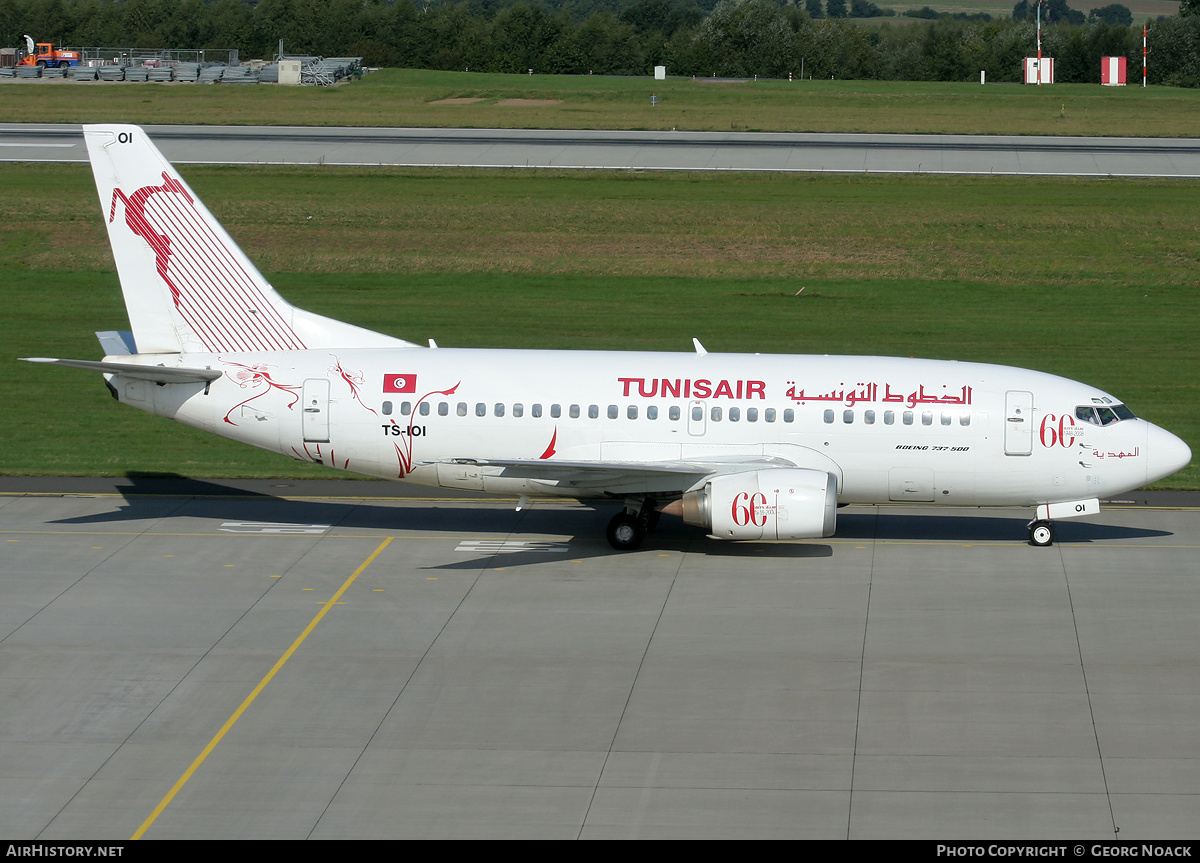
pixel 214 289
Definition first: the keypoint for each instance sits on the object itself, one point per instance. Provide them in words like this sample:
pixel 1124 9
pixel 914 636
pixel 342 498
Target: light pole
pixel 1039 40
pixel 1143 56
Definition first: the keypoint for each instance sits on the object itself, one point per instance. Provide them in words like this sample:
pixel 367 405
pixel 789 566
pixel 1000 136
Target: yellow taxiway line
pixel 212 744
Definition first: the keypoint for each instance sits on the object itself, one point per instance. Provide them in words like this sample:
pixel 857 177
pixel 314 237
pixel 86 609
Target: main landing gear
pixel 629 527
pixel 1041 532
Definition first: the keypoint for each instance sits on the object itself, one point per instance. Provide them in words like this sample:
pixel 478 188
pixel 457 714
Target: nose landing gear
pixel 1041 532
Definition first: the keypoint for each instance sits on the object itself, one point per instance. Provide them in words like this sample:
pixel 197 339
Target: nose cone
pixel 1165 453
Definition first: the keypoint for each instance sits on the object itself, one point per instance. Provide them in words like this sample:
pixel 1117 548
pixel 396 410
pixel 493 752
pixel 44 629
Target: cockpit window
pixel 1102 416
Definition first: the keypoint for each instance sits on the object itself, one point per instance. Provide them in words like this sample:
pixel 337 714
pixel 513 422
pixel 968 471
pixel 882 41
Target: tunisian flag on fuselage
pixel 398 383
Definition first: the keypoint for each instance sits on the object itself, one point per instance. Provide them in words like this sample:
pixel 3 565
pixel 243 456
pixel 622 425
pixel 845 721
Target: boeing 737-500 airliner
pixel 745 446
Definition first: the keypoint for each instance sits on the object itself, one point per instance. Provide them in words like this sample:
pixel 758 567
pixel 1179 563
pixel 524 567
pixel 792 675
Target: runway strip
pixel 613 150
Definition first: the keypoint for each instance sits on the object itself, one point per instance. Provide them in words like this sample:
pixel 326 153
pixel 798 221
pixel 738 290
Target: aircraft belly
pixel 183 402
pixel 464 476
pixel 864 485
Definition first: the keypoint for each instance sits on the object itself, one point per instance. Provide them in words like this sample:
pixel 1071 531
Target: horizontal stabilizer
pixel 158 374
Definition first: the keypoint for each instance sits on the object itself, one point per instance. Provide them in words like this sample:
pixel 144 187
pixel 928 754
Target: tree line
pixel 733 38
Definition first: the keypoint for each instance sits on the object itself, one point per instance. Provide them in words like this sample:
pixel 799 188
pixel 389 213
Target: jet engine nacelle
pixel 780 503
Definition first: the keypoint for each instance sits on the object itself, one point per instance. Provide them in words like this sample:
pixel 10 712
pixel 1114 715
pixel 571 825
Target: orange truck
pixel 45 54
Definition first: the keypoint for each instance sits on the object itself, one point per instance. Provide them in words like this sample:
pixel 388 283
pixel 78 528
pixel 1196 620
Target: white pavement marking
pixel 271 527
pixel 498 546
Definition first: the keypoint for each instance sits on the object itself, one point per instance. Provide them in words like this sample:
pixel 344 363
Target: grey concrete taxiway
pixel 280 660
pixel 633 150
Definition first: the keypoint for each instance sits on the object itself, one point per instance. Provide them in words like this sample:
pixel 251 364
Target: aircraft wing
pixel 608 477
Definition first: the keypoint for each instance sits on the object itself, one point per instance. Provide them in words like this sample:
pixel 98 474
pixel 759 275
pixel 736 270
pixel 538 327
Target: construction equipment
pixel 46 55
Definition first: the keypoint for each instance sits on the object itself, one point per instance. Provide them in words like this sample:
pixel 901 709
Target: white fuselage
pixel 889 429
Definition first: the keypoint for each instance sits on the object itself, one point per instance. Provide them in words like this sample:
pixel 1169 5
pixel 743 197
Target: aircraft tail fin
pixel 187 285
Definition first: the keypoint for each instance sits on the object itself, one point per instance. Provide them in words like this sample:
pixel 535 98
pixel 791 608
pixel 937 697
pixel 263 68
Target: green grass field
pixel 397 97
pixel 1092 279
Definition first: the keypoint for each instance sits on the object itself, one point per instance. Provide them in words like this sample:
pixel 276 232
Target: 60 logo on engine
pixel 749 509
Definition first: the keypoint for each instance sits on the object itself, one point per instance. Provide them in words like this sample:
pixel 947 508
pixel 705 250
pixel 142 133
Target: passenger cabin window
pixel 518 410
pixel 908 418
pixel 869 417
pixel 697 413
pixel 461 409
pixel 715 413
pixel 946 418
pixel 499 410
pixel 405 408
pixel 593 411
pixel 789 416
pixel 387 409
pixel 751 415
pixel 423 409
pixel 889 418
pixel 480 409
pixel 574 412
pixel 673 413
pixel 631 412
pixel 651 412
pixel 443 409
pixel 556 411
pixel 613 412
pixel 735 415
pixel 535 411
pixel 828 416
pixel 769 415
pixel 847 417
pixel 926 418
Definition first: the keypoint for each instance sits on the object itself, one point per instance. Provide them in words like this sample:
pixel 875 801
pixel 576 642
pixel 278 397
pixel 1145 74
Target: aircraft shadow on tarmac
pixel 976 528
pixel 679 537
pixel 180 497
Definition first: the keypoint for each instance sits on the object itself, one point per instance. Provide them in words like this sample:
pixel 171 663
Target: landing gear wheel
pixel 1041 533
pixel 625 532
